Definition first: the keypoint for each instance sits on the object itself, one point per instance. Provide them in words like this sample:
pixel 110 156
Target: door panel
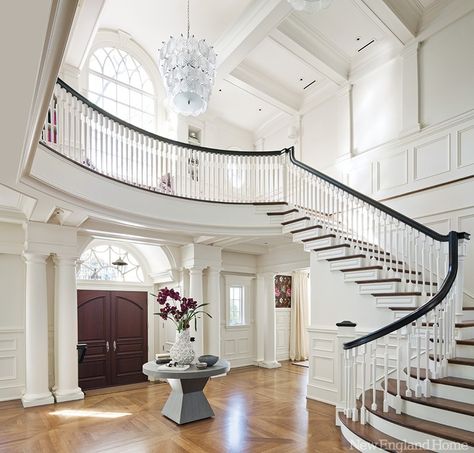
pixel 113 324
pixel 129 332
pixel 93 312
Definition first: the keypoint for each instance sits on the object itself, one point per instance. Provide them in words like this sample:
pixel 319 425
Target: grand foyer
pixel 203 218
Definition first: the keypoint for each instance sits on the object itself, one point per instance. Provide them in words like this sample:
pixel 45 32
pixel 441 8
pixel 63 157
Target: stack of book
pixel 162 358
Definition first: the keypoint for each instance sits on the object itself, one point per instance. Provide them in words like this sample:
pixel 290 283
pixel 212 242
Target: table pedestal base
pixel 187 402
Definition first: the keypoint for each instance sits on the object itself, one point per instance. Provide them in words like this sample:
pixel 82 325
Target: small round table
pixel 187 402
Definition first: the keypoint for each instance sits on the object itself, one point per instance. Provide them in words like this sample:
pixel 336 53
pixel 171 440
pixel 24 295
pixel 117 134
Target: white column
pixel 36 332
pixel 212 326
pixel 410 90
pixel 65 331
pixel 195 291
pixel 260 318
pixel 269 343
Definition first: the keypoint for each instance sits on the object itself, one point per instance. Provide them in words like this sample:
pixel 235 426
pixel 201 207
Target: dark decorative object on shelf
pixel 209 359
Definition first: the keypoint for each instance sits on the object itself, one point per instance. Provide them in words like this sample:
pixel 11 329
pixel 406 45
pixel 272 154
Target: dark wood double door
pixel 113 324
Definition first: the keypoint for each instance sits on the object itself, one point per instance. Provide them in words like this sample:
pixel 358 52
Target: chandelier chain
pixel 189 26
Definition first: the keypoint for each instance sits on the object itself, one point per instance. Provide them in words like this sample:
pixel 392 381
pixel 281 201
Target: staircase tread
pixel 459 325
pixel 403 308
pixel 345 257
pixel 379 280
pixel 432 401
pixel 325 236
pixel 408 293
pixel 448 380
pixel 330 247
pixel 458 360
pixel 466 341
pixel 418 424
pixel 299 219
pixel 375 437
pixel 468 308
pixel 270 203
pixel 276 213
pixel 363 268
pixel 372 250
pixel 300 230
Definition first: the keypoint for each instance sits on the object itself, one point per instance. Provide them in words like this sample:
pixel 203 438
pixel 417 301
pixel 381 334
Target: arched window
pixel 119 84
pixel 96 263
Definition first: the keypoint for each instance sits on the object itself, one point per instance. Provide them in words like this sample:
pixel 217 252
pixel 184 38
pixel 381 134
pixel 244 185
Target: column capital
pixel 35 257
pixel 195 269
pixel 65 260
pixel 212 268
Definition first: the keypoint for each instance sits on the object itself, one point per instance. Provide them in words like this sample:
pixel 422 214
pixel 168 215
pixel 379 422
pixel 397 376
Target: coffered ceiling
pixel 272 60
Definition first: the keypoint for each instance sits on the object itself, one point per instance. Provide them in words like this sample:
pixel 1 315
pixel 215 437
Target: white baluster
pixel 363 410
pixel 427 382
pixel 374 375
pixel 355 412
pixel 398 397
pixel 385 373
pixel 418 388
pixel 408 360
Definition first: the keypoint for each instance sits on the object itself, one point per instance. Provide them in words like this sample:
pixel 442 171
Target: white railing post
pixel 345 333
pixel 459 283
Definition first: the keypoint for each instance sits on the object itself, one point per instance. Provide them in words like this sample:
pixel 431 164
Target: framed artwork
pixel 282 291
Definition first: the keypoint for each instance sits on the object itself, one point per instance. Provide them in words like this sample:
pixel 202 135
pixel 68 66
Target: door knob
pixel 107 347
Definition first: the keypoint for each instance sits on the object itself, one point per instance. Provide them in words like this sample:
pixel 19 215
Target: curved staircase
pixel 443 421
pixel 408 386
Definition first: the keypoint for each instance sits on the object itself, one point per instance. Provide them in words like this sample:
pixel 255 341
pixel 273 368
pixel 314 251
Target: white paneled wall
pixel 12 334
pixel 282 322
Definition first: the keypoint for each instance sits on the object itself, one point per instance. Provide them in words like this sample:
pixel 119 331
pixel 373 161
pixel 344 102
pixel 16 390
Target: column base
pixel 37 399
pixel 269 364
pixel 68 395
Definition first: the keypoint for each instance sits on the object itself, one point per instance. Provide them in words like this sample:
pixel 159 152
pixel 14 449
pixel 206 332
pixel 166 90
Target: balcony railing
pixel 427 262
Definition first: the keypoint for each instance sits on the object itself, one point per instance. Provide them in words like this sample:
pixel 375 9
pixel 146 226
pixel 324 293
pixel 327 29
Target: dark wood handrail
pixel 381 207
pixel 424 309
pixel 149 134
pixel 452 238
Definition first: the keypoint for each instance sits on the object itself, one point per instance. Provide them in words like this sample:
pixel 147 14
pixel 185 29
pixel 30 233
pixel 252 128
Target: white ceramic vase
pixel 182 351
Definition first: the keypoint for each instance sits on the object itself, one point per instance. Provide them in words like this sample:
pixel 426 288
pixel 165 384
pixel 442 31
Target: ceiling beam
pixel 86 22
pixel 297 39
pixel 265 89
pixel 399 19
pixel 252 27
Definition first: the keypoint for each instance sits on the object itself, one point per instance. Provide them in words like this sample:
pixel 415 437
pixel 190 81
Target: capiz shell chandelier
pixel 188 68
pixel 310 6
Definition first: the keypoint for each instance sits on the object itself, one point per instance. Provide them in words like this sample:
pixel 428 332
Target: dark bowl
pixel 209 359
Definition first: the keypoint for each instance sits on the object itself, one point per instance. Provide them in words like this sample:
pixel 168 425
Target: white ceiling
pixel 150 22
pixel 265 48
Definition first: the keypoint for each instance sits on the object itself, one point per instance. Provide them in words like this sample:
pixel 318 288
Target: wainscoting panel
pixel 465 147
pixel 12 363
pixel 283 317
pixel 432 158
pixel 392 171
pixel 237 345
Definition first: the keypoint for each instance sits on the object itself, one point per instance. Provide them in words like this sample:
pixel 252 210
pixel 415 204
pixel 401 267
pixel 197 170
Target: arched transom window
pixel 120 85
pixel 96 263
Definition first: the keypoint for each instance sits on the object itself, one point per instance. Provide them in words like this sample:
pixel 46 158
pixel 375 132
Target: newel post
pixel 345 332
pixel 459 283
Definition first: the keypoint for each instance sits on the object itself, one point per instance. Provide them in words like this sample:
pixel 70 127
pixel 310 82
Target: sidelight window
pixel 236 306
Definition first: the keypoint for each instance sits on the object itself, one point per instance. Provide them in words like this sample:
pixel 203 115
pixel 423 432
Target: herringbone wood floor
pixel 257 410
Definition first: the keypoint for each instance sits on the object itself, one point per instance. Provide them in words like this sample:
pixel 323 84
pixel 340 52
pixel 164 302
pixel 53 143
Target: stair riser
pixel 382 287
pixel 263 209
pixel 397 301
pixel 464 350
pixel 412 436
pixel 434 414
pixel 468 315
pixel 465 333
pixel 450 392
pixel 455 370
pixel 331 253
pixel 347 264
pixel 295 226
pixel 298 237
pixel 357 442
pixel 371 274
pixel 318 243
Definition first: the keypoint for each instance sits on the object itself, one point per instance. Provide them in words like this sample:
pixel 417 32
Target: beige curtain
pixel 299 316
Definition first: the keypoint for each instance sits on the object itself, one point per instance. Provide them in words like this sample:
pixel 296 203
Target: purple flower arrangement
pixel 181 310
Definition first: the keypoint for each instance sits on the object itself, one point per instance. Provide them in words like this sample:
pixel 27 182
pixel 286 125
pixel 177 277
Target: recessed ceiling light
pixel 260 109
pixel 301 79
pixel 358 38
pixel 220 89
